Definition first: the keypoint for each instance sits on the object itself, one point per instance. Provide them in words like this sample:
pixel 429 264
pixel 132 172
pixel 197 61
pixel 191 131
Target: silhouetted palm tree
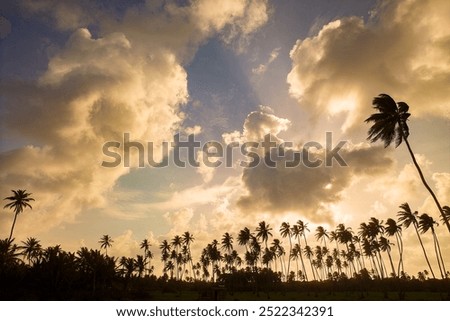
pixel 297 233
pixel 263 232
pixel 285 231
pixel 188 239
pixel 391 229
pixel 406 218
pixel 279 252
pixel 31 249
pixel 227 242
pixel 322 234
pixel 19 201
pixel 244 237
pixel 139 265
pixel 389 124
pixel 145 245
pixel 385 246
pixel 426 223
pixel 105 242
pixel 303 228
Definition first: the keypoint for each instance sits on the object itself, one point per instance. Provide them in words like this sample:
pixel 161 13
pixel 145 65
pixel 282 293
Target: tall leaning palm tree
pixel 389 124
pixel 391 229
pixel 426 222
pixel 19 201
pixel 285 231
pixel 407 218
pixel 188 239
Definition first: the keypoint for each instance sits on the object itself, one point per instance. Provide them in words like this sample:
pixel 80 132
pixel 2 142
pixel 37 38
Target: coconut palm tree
pixel 285 231
pixel 105 242
pixel 263 232
pixel 145 245
pixel 188 239
pixel 408 218
pixel 297 233
pixel 244 237
pixel 345 236
pixel 165 252
pixel 322 234
pixel 227 242
pixel 31 249
pixel 19 201
pixel 426 223
pixel 303 228
pixel 140 265
pixel 391 229
pixel 389 124
pixel 309 254
pixel 279 252
pixel 385 246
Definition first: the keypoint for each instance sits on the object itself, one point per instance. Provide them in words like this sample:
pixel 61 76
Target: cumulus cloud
pixel 402 50
pixel 311 191
pixel 128 77
pixel 257 124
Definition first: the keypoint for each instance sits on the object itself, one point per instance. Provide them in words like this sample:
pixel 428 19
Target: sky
pixel 78 74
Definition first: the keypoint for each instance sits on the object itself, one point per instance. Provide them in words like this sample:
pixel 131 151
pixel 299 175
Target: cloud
pixel 263 67
pixel 127 77
pixel 311 191
pixel 179 220
pixel 257 124
pixel 402 50
pixel 125 245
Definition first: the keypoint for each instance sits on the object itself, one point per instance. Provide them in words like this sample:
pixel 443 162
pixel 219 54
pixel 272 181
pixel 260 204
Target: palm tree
pixel 385 246
pixel 165 251
pixel 345 236
pixel 31 249
pixel 322 234
pixel 446 216
pixel 188 239
pixel 279 252
pixel 176 243
pixel 145 245
pixel 263 230
pixel 19 201
pixel 303 228
pixel 406 218
pixel 426 222
pixel 244 237
pixel 105 242
pixel 389 124
pixel 392 228
pixel 285 231
pixel 139 264
pixel 297 232
pixel 227 242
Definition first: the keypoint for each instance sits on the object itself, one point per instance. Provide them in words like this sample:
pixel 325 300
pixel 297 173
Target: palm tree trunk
pixel 289 257
pixel 301 259
pixel 424 252
pixel 392 263
pixel 426 184
pixel 400 253
pixel 12 227
pixel 439 254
